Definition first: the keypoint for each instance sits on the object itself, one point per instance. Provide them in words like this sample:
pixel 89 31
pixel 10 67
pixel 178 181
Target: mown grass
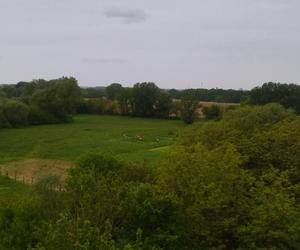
pixel 133 139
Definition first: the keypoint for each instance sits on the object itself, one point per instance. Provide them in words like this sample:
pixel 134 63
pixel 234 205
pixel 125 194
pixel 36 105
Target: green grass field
pixel 130 139
pixel 133 139
pixel 11 191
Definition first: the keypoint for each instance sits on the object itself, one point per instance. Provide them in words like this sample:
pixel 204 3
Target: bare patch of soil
pixel 29 170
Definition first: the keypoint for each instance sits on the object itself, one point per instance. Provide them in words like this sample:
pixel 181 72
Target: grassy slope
pixel 12 191
pixel 108 134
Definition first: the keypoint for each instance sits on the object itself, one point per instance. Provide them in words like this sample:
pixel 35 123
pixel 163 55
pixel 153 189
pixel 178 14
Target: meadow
pixel 134 139
pixel 27 153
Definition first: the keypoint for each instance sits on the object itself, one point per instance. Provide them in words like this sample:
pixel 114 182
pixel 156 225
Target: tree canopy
pixel 287 95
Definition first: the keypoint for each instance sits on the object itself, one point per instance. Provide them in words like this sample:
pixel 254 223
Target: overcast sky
pixel 174 43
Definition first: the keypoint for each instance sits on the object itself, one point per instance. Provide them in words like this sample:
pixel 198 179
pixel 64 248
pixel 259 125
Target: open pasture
pixel 134 139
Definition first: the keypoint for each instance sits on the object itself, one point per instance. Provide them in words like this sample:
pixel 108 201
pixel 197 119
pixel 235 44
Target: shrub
pixel 213 112
pixel 38 116
pixel 188 110
pixel 60 100
pixel 3 121
pixel 16 113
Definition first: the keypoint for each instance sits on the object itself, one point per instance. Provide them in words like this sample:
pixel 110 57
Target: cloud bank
pixel 174 43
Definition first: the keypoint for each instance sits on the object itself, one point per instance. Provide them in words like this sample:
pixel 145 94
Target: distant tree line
pixel 55 101
pixel 205 95
pixel 212 95
pixel 147 100
pixel 127 97
pixel 231 184
pixel 143 100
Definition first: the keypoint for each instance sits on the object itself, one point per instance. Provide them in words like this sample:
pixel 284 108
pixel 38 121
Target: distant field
pixel 28 153
pixel 133 139
pixel 224 104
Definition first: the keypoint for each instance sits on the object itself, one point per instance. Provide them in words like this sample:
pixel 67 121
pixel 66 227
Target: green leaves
pixel 188 109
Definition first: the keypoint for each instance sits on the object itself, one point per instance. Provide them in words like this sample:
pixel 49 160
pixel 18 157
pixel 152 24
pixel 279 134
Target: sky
pixel 176 44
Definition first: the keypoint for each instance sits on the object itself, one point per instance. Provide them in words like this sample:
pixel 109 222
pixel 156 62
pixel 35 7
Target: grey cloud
pixel 103 60
pixel 128 16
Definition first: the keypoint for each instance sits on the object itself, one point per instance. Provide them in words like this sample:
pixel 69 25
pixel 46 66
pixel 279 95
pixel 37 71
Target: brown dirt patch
pixel 29 170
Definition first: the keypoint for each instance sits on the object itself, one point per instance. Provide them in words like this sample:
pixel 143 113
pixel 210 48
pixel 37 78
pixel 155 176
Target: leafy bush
pixel 3 121
pixel 2 94
pixel 188 109
pixel 15 113
pixel 60 100
pixel 144 98
pixel 38 116
pixel 213 112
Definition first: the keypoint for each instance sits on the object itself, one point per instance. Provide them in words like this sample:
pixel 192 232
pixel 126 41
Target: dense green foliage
pixel 287 95
pixel 113 91
pixel 59 100
pixel 211 95
pixel 13 113
pixel 39 102
pixel 144 99
pixel 93 92
pixel 16 113
pixel 188 109
pixel 228 184
pixel 213 112
pixel 55 101
pixel 144 95
pixel 208 95
pixel 92 106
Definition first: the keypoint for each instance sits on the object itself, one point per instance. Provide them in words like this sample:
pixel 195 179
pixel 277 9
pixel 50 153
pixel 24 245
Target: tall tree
pixel 163 105
pixel 60 100
pixel 145 96
pixel 113 91
pixel 125 101
pixel 188 109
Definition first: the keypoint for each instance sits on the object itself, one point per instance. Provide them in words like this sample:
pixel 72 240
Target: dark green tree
pixel 15 113
pixel 113 91
pixel 145 96
pixel 287 95
pixel 125 100
pixel 2 93
pixel 163 105
pixel 189 107
pixel 212 112
pixel 59 100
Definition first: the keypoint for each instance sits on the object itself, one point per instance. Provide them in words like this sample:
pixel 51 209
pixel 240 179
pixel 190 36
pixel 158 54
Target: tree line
pixel 55 101
pixel 205 95
pixel 228 184
pixel 288 95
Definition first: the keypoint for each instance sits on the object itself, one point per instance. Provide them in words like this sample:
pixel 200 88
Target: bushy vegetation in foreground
pixel 230 184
